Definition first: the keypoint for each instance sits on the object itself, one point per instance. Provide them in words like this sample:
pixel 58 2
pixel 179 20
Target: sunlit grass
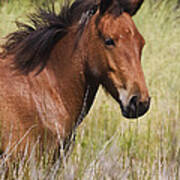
pixel 109 146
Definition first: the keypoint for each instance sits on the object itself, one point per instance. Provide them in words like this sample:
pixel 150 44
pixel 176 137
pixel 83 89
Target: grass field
pixel 109 146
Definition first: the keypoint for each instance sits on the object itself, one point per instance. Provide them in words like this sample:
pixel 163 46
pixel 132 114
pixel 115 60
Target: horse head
pixel 114 47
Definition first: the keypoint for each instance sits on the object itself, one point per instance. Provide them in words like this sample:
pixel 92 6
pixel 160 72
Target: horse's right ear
pixel 104 6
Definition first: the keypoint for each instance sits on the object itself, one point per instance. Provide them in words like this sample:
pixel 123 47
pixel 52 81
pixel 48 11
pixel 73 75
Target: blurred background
pixel 109 146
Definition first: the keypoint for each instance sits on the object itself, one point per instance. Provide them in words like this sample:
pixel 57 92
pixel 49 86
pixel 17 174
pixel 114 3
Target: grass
pixel 109 146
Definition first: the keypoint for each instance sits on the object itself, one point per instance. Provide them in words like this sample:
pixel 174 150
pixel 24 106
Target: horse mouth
pixel 133 111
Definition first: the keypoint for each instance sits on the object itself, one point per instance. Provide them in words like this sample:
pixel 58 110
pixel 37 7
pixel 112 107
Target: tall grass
pixel 109 146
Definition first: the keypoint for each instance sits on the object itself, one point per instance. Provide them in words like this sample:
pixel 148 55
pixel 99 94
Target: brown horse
pixel 50 71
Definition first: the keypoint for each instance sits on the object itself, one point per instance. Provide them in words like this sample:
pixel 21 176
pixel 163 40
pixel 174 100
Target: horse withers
pixel 50 71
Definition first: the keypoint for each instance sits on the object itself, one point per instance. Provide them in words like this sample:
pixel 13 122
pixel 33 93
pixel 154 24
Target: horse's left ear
pixel 131 6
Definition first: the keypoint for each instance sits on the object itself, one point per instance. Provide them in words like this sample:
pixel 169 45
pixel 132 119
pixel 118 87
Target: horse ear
pixel 104 6
pixel 132 6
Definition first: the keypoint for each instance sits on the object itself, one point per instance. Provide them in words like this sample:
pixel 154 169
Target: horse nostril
pixel 134 102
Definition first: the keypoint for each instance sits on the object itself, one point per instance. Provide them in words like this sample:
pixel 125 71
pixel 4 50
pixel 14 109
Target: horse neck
pixel 68 68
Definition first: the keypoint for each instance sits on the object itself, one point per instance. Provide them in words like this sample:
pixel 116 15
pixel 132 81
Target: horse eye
pixel 109 42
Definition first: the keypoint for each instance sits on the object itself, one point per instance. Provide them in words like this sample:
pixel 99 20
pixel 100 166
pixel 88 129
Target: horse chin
pixel 130 115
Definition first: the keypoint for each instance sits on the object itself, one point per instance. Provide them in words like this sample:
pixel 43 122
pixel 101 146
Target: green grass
pixel 109 146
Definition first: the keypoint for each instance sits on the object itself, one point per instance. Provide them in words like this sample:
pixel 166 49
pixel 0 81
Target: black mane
pixel 32 44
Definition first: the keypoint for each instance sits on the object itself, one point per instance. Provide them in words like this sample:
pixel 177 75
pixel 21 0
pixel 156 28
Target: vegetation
pixel 107 145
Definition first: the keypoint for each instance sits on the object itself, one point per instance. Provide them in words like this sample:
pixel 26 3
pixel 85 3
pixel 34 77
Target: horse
pixel 52 67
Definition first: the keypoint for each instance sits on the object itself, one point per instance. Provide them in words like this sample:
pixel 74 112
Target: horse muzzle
pixel 135 108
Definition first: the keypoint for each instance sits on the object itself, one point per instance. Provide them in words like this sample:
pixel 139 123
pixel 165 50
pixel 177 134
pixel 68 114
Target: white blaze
pixel 123 96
